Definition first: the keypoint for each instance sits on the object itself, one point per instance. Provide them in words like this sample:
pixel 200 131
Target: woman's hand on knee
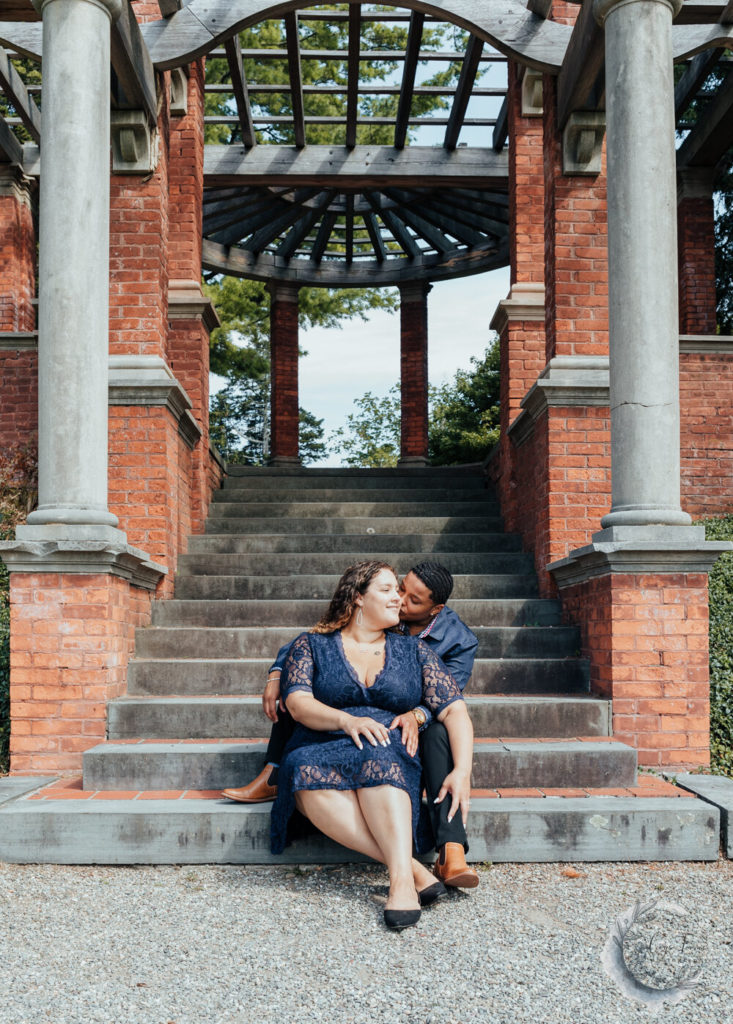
pixel 459 787
pixel 372 731
pixel 408 724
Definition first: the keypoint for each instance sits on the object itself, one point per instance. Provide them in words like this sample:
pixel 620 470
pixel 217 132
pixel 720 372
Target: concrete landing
pixel 718 791
pixel 71 826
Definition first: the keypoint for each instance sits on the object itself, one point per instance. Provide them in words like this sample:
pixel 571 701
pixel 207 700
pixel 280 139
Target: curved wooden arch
pixel 505 24
pixel 369 274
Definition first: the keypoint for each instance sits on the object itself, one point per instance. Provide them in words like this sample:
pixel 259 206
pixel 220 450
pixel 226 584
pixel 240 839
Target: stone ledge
pixel 83 556
pixel 525 301
pixel 714 344
pixel 19 341
pixel 639 549
pixel 574 381
pixel 716 790
pixel 186 301
pixel 149 381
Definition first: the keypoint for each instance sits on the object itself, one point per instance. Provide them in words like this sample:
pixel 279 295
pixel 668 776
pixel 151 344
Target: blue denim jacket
pixel 449 637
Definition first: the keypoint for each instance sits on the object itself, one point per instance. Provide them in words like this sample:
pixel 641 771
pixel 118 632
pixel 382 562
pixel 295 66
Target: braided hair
pixel 354 582
pixel 436 578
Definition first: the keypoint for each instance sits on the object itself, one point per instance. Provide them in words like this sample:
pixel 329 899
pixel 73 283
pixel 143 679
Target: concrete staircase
pixel 551 783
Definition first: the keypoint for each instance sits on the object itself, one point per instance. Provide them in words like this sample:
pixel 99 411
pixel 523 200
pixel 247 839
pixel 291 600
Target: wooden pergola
pixel 350 215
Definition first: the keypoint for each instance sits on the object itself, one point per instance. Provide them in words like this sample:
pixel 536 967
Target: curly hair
pixel 354 582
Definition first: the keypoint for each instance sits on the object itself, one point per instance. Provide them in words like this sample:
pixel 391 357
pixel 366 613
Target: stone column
pixel 414 373
pixel 284 406
pixel 73 272
pixel 642 250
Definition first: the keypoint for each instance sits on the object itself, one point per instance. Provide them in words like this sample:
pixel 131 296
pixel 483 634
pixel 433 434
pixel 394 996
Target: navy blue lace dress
pixel 412 674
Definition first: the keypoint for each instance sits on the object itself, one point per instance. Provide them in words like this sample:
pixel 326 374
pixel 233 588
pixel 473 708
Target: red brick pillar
pixel 520 318
pixel 696 250
pixel 190 315
pixel 18 340
pixel 284 405
pixel 414 373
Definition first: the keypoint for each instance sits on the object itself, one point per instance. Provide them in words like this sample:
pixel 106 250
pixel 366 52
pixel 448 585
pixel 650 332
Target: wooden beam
pixel 17 95
pixel 391 56
pixel 359 274
pixel 463 92
pixel 268 233
pixel 324 233
pixel 449 224
pixel 361 167
pixel 362 90
pixel 296 77
pixel 132 66
pixel 422 227
pixel 412 53
pixel 352 93
pixel 11 151
pixel 299 231
pixel 726 18
pixel 698 70
pixel 539 7
pixel 239 85
pixel 375 235
pixel 395 225
pixel 501 128
pixel 712 137
pixel 168 7
pixel 349 226
pixel 581 81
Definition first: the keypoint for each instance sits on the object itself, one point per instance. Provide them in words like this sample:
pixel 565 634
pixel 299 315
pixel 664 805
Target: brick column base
pixel 71 636
pixel 646 636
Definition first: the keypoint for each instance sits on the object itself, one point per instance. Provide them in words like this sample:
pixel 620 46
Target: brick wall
pixel 646 636
pixel 706 422
pixel 696 265
pixel 71 637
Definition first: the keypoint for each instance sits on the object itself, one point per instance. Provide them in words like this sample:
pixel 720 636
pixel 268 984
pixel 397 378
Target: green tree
pixel 724 253
pixel 463 423
pixel 371 436
pixel 464 418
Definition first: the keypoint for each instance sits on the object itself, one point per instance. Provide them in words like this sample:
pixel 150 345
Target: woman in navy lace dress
pixel 351 766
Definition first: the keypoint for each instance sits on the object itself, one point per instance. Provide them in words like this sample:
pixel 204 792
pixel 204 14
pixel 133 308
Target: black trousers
pixel 437 762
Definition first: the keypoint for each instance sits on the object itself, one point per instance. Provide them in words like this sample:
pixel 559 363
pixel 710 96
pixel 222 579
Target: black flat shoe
pixel 431 894
pixel 399 919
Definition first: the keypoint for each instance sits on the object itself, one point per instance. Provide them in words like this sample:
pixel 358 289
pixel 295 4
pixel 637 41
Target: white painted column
pixel 642 257
pixel 74 268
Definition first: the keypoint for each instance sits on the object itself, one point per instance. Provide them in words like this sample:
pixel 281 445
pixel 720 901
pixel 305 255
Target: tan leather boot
pixel 451 867
pixel 259 791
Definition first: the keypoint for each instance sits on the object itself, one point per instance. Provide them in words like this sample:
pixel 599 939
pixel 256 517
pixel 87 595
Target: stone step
pixel 390 473
pixel 192 677
pixel 186 829
pixel 382 525
pixel 320 587
pixel 317 563
pixel 284 509
pixel 431 546
pixel 254 495
pixel 507 612
pixel 216 764
pixel 213 717
pixel 265 641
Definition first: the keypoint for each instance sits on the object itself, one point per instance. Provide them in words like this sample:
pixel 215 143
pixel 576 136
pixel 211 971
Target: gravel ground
pixel 193 945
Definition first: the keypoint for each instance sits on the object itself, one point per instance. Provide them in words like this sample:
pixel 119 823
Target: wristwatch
pixel 420 717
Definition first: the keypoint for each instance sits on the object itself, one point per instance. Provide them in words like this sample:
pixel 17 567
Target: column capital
pixel 602 8
pixel 14 183
pixel 112 7
pixel 414 291
pixel 282 291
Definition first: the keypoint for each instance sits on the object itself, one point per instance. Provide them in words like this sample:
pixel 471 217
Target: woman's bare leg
pixel 337 814
pixel 388 814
